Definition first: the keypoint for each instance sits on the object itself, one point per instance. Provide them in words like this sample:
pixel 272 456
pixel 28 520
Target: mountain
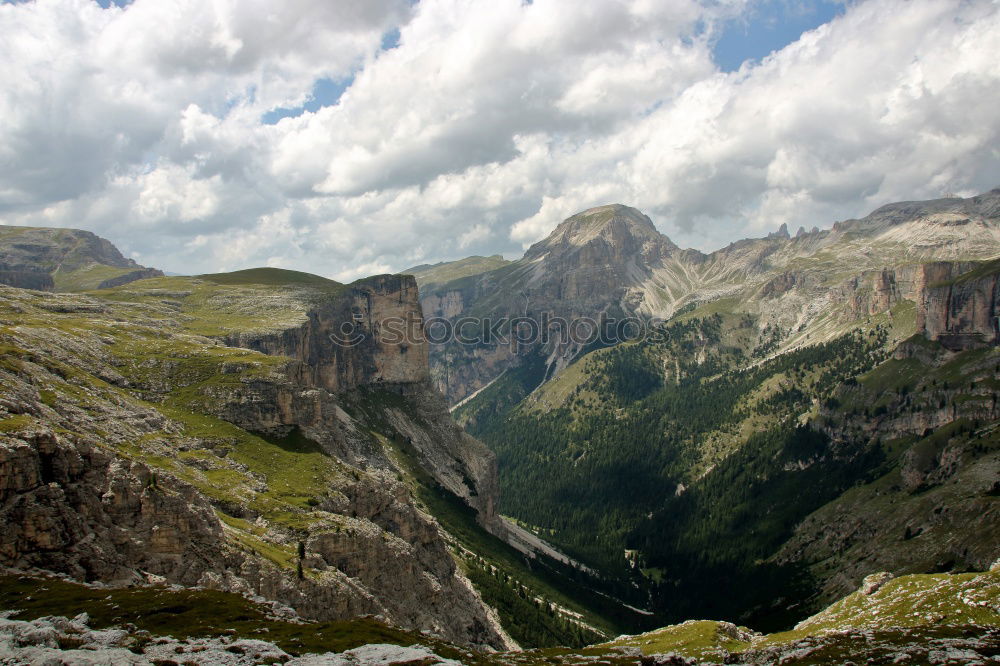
pixel 210 431
pixel 589 266
pixel 814 409
pixel 266 451
pixel 64 260
pixel 611 262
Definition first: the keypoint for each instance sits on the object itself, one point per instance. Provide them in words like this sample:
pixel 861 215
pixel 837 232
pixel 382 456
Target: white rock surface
pixel 56 641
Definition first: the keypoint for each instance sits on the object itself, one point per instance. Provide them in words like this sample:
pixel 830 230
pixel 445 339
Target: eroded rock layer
pixel 134 448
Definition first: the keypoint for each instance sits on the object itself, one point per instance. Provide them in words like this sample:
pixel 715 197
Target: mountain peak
pixel 781 233
pixel 617 225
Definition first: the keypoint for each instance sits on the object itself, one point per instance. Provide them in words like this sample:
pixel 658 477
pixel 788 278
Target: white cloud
pixel 486 125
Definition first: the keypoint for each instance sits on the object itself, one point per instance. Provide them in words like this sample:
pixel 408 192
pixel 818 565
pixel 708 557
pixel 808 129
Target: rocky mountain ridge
pixel 64 260
pixel 610 261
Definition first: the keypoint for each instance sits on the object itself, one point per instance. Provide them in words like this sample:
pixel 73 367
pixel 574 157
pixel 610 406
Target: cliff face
pixel 370 334
pixel 27 279
pixel 959 307
pixel 383 348
pixel 956 301
pixel 133 449
pixel 70 506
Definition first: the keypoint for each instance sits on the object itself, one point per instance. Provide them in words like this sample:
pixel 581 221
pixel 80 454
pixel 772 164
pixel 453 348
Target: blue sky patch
pixel 326 92
pixel 390 40
pixel 770 26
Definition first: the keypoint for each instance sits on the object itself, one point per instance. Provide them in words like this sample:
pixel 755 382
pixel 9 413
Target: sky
pixel 354 138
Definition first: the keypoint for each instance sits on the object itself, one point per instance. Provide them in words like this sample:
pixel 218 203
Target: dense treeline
pixel 705 545
pixel 531 620
pixel 622 464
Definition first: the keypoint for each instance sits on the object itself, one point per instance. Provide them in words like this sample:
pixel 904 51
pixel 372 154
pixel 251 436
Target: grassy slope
pixel 443 272
pixel 150 349
pixel 87 277
pixel 255 300
pixel 917 601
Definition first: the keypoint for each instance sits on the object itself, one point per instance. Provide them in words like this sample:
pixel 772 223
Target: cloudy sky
pixel 351 138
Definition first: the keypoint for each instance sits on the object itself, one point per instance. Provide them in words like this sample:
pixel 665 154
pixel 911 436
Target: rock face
pixel 959 308
pixel 27 279
pixel 612 262
pixel 46 258
pixel 593 265
pixel 132 449
pixel 70 506
pixel 372 334
pixel 956 302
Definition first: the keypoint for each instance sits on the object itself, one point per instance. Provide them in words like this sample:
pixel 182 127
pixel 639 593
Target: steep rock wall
pixel 77 497
pixel 959 310
pixel 27 279
pixel 391 354
pixel 957 302
pixel 369 334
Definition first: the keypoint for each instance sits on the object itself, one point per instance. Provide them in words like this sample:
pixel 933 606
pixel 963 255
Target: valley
pixel 707 467
pixel 792 416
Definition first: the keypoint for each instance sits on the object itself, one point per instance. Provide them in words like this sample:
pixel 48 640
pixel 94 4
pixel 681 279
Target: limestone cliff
pixel 369 334
pixel 385 349
pixel 956 302
pixel 959 307
pixel 136 444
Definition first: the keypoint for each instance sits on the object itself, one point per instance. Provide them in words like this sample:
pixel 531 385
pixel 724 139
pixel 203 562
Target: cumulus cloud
pixel 480 128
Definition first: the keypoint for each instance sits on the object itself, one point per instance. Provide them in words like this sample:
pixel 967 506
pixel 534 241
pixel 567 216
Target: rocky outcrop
pixel 70 506
pixel 369 334
pixel 27 279
pixel 100 485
